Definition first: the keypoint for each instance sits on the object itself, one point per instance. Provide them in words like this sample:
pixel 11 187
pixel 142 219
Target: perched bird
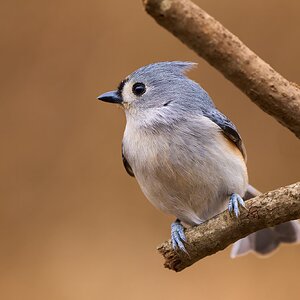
pixel 187 157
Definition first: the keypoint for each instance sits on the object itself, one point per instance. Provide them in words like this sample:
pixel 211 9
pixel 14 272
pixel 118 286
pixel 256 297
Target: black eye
pixel 138 88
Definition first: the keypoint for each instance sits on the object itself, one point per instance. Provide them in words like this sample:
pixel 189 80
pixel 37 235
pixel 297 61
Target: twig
pixel 198 30
pixel 216 234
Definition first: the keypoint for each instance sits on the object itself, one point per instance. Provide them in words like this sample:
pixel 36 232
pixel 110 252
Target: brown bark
pixel 198 30
pixel 216 234
pixel 268 89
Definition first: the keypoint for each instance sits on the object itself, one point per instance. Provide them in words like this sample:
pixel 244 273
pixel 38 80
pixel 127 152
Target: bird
pixel 187 157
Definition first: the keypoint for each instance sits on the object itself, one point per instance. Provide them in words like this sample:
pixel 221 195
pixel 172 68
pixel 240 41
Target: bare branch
pixel 198 30
pixel 216 234
pixel 265 87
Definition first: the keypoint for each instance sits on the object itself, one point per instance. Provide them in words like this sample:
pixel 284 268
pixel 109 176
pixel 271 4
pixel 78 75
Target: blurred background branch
pixel 216 234
pixel 211 40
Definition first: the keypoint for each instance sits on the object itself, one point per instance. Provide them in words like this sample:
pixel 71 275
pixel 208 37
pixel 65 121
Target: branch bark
pixel 211 40
pixel 265 87
pixel 216 234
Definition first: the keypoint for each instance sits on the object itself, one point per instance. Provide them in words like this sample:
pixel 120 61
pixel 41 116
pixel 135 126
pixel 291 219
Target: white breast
pixel 188 172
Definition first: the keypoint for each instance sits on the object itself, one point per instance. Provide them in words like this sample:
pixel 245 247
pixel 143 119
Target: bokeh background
pixel 73 225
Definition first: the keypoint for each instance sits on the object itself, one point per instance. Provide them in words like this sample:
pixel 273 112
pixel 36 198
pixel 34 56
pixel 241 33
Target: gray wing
pixel 126 164
pixel 228 129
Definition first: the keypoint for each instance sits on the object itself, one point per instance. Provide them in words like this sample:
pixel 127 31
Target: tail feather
pixel 251 192
pixel 265 241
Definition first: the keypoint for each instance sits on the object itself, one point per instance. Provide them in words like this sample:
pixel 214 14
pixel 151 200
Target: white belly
pixel 186 175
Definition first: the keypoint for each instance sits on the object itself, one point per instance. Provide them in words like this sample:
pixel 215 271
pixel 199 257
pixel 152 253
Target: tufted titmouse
pixel 187 157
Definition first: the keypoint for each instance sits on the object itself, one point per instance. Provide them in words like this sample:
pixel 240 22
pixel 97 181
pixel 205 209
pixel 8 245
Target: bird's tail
pixel 265 241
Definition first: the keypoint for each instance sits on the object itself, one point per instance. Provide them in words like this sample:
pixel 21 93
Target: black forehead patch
pixel 121 86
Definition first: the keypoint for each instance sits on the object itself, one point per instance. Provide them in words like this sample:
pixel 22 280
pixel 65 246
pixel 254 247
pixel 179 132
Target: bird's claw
pixel 234 202
pixel 177 236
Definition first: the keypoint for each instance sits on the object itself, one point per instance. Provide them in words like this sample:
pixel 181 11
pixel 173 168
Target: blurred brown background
pixel 73 225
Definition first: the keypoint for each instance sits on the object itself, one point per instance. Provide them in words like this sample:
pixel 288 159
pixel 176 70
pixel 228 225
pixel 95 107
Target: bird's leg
pixel 177 236
pixel 234 202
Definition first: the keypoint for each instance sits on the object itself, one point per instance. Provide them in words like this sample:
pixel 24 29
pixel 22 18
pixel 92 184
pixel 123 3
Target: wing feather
pixel 228 129
pixel 126 164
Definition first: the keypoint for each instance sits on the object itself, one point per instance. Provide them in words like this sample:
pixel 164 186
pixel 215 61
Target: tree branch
pixel 269 90
pixel 198 30
pixel 216 234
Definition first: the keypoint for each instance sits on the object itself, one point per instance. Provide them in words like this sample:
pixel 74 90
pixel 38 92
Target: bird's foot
pixel 177 236
pixel 234 202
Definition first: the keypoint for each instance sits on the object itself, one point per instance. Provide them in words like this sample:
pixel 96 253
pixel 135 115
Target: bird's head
pixel 159 90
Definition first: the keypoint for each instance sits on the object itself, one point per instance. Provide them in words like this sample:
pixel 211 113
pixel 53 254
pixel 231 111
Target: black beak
pixel 112 97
